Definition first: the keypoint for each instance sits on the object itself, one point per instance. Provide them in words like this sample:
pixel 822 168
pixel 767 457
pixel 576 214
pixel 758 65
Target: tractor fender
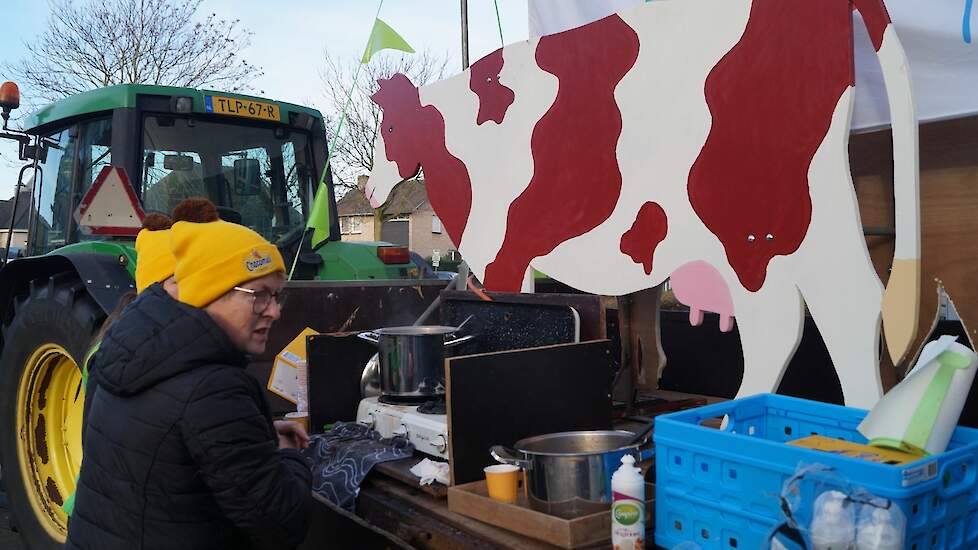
pixel 105 276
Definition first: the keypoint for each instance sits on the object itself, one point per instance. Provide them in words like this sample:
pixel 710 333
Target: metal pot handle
pixel 456 341
pixel 505 455
pixel 369 336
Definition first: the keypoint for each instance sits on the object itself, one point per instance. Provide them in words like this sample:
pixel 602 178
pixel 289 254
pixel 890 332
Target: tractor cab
pixel 259 161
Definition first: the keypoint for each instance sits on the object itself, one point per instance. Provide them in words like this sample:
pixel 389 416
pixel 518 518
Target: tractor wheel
pixel 41 403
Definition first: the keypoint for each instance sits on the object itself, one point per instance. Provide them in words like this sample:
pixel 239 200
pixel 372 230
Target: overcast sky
pixel 289 44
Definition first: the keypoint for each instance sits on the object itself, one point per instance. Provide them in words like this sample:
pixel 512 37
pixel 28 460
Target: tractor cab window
pixel 53 191
pixel 94 153
pixel 257 175
pixel 76 156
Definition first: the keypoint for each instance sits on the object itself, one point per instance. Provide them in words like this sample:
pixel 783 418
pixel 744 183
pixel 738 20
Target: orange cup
pixel 299 418
pixel 501 480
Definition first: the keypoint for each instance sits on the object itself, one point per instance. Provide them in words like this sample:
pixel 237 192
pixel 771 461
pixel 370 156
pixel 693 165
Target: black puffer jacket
pixel 180 450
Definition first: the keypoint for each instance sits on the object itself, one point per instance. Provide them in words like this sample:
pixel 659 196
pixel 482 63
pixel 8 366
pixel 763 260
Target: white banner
pixel 936 34
pixel 552 16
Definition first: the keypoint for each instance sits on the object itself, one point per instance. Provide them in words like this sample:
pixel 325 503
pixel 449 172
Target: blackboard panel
pixel 335 362
pixel 588 307
pixel 504 327
pixel 500 398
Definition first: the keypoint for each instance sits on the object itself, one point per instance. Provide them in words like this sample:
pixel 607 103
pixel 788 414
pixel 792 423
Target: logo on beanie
pixel 256 261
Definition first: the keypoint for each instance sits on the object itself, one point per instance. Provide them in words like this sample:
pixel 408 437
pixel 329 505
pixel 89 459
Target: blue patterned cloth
pixel 343 456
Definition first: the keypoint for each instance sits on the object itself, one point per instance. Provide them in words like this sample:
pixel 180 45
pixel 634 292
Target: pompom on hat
pixel 195 209
pixel 155 260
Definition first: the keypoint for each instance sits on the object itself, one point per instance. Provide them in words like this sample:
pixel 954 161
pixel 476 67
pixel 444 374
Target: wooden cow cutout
pixel 703 140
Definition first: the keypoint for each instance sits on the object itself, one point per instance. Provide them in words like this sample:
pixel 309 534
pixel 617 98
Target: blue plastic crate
pixel 720 488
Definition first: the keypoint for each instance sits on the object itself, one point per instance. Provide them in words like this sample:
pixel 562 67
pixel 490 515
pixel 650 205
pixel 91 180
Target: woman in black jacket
pixel 180 448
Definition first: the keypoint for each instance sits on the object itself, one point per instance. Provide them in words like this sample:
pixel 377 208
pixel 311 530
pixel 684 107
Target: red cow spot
pixel 576 181
pixel 648 230
pixel 494 98
pixel 876 18
pixel 772 97
pixel 414 138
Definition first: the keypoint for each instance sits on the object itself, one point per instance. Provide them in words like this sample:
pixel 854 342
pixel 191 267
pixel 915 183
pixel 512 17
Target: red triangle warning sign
pixel 110 207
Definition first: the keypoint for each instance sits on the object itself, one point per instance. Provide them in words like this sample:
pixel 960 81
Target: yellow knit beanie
pixel 212 258
pixel 154 257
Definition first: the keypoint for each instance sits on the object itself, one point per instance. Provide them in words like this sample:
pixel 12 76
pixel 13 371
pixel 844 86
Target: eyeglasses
pixel 262 299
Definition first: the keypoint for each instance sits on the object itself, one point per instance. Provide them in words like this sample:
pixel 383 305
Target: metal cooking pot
pixel 412 358
pixel 568 474
pixel 370 377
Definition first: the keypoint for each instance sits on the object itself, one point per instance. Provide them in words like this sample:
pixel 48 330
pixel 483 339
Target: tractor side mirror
pixel 9 100
pixel 247 177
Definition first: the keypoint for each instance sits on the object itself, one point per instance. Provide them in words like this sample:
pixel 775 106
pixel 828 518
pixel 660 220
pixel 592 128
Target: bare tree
pixel 97 43
pixel 353 153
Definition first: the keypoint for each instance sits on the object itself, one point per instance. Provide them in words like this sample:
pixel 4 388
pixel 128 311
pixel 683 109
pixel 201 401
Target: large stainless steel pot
pixel 412 358
pixel 568 474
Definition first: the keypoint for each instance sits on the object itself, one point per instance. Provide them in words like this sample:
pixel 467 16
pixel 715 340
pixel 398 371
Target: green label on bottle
pixel 627 513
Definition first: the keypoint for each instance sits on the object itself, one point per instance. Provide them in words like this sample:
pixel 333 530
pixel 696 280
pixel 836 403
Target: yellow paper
pixel 855 450
pixel 284 379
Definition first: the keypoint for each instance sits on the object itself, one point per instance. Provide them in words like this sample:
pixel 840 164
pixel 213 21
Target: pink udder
pixel 702 288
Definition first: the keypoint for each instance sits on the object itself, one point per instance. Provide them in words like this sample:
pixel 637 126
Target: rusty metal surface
pixel 332 527
pixel 424 522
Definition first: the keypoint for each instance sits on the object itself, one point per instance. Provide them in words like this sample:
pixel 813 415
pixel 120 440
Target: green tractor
pixel 258 160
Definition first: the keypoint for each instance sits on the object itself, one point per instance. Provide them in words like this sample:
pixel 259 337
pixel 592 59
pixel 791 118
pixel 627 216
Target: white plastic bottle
pixel 833 526
pixel 628 506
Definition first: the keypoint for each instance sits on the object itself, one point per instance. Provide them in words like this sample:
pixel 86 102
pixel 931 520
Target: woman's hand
pixel 291 435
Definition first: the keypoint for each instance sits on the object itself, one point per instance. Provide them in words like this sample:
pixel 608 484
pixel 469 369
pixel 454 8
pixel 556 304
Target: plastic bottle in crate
pixel 833 525
pixel 628 506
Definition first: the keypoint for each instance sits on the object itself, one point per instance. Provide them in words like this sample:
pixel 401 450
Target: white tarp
pixel 943 65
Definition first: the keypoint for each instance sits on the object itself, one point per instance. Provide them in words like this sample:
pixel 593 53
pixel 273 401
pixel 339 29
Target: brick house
pixel 409 220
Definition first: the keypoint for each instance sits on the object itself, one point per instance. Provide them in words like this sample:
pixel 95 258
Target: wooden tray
pixel 472 500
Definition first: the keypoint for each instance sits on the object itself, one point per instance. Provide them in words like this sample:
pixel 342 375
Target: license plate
pixel 241 107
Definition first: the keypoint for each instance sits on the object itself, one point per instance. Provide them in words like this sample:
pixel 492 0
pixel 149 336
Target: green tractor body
pixel 259 161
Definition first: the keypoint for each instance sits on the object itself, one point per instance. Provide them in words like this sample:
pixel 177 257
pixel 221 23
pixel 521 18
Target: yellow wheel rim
pixel 50 401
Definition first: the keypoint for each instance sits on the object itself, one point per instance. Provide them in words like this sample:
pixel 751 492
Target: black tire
pixel 55 310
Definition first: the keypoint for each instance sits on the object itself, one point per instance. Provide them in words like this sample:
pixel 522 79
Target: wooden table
pixel 393 511
pixel 423 521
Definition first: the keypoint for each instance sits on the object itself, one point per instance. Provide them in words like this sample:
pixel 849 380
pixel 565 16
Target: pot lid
pixel 421 330
pixel 577 443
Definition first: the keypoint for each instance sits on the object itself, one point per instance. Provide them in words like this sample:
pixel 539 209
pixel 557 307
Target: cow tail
pixel 901 300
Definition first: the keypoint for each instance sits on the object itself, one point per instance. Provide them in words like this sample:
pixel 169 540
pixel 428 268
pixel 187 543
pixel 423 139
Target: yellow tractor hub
pixel 50 401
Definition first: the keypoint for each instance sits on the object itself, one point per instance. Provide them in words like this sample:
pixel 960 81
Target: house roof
pixel 405 199
pixel 23 207
pixel 353 203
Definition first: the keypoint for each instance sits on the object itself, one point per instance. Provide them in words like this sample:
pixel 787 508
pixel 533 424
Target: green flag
pixel 319 215
pixel 383 37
